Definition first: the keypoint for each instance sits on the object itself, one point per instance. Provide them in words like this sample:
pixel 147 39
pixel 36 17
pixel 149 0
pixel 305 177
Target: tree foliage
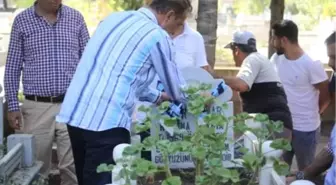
pixel 251 6
pixel 329 9
pixel 311 8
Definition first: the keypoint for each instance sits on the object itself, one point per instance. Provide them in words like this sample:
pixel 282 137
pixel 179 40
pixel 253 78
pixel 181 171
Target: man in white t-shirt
pixel 189 52
pixel 306 85
pixel 258 82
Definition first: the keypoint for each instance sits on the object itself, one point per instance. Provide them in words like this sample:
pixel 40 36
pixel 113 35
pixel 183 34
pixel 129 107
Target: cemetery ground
pixel 325 132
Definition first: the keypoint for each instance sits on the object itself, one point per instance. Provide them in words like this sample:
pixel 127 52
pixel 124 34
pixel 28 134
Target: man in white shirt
pixel 189 48
pixel 258 82
pixel 306 85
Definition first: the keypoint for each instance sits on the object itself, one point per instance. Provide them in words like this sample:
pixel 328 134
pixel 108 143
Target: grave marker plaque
pixel 184 160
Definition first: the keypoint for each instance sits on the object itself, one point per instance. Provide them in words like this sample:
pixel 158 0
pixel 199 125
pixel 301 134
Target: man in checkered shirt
pixel 47 41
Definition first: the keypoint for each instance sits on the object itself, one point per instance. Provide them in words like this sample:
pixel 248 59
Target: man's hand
pixel 15 119
pixel 164 97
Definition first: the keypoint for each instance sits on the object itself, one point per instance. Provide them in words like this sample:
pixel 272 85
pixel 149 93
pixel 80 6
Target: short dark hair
pixel 180 7
pixel 331 39
pixel 288 29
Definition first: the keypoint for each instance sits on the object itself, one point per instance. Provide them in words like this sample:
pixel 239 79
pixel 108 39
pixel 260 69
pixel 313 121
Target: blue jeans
pixel 303 147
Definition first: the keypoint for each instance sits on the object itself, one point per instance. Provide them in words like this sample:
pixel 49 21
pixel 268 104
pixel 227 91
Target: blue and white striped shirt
pixel 120 61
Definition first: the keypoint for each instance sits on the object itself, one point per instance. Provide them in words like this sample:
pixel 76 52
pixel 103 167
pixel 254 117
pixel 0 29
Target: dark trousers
pixel 90 149
pixel 303 147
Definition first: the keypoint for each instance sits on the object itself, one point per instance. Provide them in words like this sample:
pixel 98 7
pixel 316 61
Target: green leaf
pixel 205 87
pixel 281 168
pixel 170 122
pixel 240 127
pixel 281 144
pixel 144 167
pixel 174 180
pixel 142 127
pixel 277 126
pixel 149 142
pixel 250 161
pixel 223 172
pixel 132 150
pixel 104 168
pixel 243 150
pixel 145 109
pixel 262 118
pixel 198 153
pixel 215 162
pixel 215 120
pixel 163 145
pixel 235 177
pixel 200 180
pixel 204 130
pixel 164 107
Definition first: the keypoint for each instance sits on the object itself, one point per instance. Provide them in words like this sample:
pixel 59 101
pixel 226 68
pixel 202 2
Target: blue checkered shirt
pixel 120 61
pixel 47 54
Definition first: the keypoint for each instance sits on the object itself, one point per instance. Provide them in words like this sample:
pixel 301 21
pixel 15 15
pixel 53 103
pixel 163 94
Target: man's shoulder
pixel 256 57
pixel 23 15
pixel 72 12
pixel 275 58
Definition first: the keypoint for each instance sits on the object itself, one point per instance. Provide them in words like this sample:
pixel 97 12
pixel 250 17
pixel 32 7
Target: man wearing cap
pixel 257 81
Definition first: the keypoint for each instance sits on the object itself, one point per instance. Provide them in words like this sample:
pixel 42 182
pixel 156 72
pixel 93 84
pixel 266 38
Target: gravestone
pixel 195 75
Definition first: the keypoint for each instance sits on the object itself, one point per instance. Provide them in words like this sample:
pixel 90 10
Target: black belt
pixel 51 99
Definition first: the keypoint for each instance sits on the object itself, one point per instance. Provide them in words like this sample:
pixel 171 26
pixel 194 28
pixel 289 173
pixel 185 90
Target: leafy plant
pixel 206 145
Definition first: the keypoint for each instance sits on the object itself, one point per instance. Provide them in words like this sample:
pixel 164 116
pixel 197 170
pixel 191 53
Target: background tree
pixel 277 12
pixel 207 25
pixel 5 4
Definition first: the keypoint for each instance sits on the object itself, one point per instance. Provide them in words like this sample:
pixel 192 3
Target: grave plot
pixel 196 145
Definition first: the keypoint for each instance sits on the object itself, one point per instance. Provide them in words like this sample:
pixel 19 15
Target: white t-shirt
pixel 298 78
pixel 189 51
pixel 257 68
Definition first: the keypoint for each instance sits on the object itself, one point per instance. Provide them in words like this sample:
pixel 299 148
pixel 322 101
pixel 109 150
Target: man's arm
pixel 245 77
pixel 321 163
pixel 13 68
pixel 236 84
pixel 165 67
pixel 84 36
pixel 149 95
pixel 324 97
pixel 319 78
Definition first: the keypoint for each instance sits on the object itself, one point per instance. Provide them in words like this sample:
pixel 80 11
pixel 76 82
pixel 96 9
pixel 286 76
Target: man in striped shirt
pixel 120 61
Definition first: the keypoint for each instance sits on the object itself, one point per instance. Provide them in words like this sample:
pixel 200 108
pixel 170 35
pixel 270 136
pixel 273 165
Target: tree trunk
pixel 207 26
pixel 277 13
pixel 5 4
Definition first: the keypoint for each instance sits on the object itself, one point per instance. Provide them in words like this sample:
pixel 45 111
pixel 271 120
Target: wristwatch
pixel 299 175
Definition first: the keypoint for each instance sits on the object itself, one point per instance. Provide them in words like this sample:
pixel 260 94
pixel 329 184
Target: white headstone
pixel 195 75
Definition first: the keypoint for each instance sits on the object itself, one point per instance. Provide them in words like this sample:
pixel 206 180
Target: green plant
pixel 206 144
pixel 21 97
